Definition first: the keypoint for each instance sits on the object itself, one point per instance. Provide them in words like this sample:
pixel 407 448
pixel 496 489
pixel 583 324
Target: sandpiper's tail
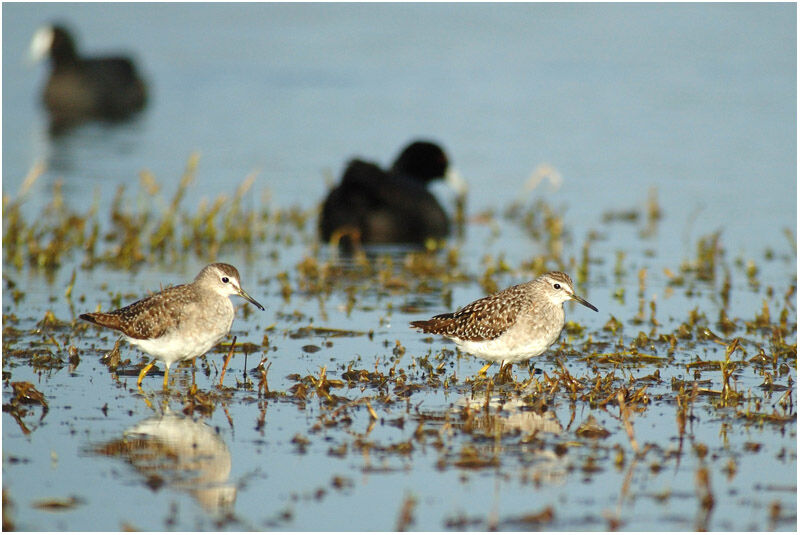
pixel 436 325
pixel 112 321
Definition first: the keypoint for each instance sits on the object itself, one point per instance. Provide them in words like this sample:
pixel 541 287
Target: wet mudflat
pixel 671 408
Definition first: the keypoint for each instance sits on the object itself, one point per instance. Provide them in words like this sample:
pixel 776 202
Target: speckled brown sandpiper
pixel 512 325
pixel 180 322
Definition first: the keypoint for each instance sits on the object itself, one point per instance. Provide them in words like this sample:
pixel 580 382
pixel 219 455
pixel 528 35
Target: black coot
pixel 86 88
pixel 372 205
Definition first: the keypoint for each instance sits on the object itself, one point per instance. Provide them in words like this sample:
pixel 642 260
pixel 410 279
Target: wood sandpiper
pixel 180 322
pixel 512 325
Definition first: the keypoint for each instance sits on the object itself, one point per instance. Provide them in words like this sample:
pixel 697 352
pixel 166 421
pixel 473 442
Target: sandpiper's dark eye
pixel 557 286
pixel 226 280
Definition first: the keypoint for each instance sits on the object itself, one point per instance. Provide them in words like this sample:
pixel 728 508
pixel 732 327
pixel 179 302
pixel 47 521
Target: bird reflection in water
pixel 182 453
pixel 507 416
pixel 534 434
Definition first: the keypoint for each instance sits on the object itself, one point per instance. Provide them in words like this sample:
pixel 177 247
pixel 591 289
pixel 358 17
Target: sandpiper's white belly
pixel 499 350
pixel 174 347
pixel 527 338
pixel 193 338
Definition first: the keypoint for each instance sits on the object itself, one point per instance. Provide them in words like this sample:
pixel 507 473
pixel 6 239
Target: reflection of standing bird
pixel 512 325
pixel 371 205
pixel 182 453
pixel 508 414
pixel 85 88
pixel 181 322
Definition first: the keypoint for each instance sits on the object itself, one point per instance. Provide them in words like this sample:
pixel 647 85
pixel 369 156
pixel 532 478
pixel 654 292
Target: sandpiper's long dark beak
pixel 256 303
pixel 584 302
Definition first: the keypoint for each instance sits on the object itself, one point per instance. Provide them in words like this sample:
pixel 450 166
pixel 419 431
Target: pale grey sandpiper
pixel 180 322
pixel 512 325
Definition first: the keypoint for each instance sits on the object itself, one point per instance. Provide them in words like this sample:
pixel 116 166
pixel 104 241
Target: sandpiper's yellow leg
pixel 143 373
pixel 482 371
pixel 147 401
pixel 505 371
pixel 166 376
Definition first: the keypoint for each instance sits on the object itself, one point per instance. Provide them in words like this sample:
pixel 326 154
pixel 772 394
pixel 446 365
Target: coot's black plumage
pixel 86 88
pixel 389 206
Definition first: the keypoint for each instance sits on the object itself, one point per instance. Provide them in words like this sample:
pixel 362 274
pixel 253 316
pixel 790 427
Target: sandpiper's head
pixel 224 279
pixel 558 289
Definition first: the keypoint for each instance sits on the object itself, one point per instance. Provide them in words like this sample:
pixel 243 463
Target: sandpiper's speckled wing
pixel 484 319
pixel 150 317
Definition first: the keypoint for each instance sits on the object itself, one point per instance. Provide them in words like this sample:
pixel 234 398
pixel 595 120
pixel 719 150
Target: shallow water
pixel 696 101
